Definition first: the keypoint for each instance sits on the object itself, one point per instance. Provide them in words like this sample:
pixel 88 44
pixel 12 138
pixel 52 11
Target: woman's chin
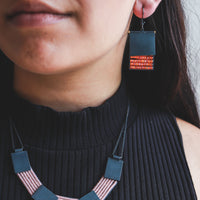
pixel 44 68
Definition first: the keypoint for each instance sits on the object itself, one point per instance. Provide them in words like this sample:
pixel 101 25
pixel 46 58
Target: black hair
pixel 169 84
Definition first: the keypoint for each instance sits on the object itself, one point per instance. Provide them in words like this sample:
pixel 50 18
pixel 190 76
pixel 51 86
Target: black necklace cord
pixel 13 131
pixel 123 130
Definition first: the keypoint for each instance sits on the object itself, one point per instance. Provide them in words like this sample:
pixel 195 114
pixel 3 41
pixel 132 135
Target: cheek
pixel 108 20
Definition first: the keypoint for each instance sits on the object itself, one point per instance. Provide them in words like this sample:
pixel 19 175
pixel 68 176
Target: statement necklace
pixel 38 191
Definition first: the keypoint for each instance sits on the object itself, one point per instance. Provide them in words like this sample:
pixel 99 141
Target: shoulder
pixel 191 143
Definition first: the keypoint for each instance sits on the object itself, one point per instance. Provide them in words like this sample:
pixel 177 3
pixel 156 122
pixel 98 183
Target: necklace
pixel 38 191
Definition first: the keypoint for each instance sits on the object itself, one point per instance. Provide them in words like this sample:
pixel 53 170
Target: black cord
pixel 124 136
pixel 124 129
pixel 12 132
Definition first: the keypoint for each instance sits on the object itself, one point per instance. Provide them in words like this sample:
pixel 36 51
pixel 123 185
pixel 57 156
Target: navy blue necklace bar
pixel 38 191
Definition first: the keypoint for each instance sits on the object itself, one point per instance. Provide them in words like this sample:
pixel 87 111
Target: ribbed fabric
pixel 68 150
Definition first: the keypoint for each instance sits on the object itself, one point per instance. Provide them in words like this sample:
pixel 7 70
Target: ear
pixel 149 7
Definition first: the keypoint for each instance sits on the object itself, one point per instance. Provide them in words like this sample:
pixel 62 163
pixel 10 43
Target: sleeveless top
pixel 68 150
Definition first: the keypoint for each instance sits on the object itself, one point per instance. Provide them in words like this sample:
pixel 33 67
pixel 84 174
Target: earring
pixel 142 48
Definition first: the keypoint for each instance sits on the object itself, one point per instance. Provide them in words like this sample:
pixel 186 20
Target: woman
pixel 67 93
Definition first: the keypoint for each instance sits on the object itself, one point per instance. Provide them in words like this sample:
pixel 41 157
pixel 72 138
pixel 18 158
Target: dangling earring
pixel 142 48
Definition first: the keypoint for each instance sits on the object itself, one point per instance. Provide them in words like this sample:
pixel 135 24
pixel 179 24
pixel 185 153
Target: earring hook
pixel 142 21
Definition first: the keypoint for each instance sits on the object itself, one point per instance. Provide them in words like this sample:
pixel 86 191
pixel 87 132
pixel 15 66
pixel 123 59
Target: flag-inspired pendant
pixel 142 49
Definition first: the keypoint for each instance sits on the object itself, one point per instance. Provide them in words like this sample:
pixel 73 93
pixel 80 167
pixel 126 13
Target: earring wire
pixel 142 21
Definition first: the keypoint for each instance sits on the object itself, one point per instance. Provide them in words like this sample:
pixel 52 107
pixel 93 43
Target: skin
pixel 76 63
pixel 191 143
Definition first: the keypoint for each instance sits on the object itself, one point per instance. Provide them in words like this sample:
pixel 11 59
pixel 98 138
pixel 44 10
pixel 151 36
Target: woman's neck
pixel 72 90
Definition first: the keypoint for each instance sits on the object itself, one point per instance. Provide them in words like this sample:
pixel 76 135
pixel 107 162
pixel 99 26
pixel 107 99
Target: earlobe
pixel 149 7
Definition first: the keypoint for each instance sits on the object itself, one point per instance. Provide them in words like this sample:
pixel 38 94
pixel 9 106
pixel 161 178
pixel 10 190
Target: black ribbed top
pixel 68 150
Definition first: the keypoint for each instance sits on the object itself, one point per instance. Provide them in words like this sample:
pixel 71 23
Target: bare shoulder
pixel 191 143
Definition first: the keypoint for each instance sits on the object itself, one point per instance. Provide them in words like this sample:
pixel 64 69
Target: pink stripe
pixel 65 198
pixel 22 180
pixel 104 188
pixel 101 185
pixel 25 183
pixel 36 180
pixel 31 181
pixel 99 192
pixel 108 189
pixel 98 184
pixel 28 182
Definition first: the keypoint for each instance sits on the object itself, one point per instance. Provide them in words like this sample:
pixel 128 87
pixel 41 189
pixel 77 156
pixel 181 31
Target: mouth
pixel 35 13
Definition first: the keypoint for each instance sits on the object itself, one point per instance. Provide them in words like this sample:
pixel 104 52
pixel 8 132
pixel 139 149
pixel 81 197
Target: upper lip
pixel 34 7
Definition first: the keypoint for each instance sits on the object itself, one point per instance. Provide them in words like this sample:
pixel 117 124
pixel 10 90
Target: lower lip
pixel 36 19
